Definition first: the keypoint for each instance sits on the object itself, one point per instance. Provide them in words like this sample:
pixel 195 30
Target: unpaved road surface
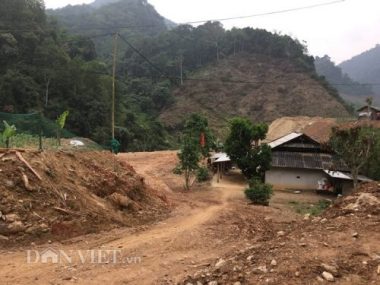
pixel 212 221
pixel 164 251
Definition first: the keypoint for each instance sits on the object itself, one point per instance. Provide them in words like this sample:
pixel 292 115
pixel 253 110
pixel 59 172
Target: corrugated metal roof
pixel 284 139
pixel 346 176
pixel 306 160
pixel 224 158
pixel 218 154
pixel 366 108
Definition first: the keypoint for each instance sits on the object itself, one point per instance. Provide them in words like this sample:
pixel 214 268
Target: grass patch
pixel 307 208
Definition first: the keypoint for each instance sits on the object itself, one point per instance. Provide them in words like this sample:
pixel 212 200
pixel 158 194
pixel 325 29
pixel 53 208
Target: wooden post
pixel 114 82
pixel 217 173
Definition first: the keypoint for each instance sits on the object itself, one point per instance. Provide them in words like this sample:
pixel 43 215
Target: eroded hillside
pixel 259 87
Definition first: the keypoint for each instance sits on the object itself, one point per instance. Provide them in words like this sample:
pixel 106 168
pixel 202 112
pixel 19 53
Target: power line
pixel 268 13
pixel 163 73
pixel 114 28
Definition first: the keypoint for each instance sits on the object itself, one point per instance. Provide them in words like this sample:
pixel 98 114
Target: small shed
pixel 221 163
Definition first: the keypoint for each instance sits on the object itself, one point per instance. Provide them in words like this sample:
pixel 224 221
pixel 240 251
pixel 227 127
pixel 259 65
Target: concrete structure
pixel 301 163
pixel 294 178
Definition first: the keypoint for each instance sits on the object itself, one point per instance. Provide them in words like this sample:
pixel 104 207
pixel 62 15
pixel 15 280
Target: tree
pixel 196 127
pixel 242 146
pixel 354 146
pixel 189 156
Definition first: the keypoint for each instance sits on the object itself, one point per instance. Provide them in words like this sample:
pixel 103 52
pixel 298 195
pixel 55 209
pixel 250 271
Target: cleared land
pixel 213 234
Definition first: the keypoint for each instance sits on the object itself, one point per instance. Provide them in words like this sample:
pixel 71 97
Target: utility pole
pixel 114 82
pixel 217 52
pixel 181 67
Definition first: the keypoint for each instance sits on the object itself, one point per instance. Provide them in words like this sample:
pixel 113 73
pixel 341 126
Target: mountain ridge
pixel 365 67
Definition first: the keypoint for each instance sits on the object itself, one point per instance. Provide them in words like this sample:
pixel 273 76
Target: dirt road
pixel 212 223
pixel 169 248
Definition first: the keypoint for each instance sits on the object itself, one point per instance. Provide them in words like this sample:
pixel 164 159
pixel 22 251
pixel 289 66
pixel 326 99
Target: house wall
pixel 294 178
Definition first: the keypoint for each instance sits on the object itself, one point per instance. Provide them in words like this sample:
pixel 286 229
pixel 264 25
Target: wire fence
pixel 34 131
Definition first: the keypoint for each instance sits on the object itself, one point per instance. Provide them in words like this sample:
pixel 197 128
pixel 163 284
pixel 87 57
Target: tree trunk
pixel 355 173
pixel 187 180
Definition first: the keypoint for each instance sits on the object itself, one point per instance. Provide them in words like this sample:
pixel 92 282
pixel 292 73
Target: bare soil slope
pixel 78 193
pixel 343 242
pixel 264 89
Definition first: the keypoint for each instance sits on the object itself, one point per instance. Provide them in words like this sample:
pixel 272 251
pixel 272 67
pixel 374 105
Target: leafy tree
pixel 242 147
pixel 189 157
pixel 8 133
pixel 372 167
pixel 196 127
pixel 354 146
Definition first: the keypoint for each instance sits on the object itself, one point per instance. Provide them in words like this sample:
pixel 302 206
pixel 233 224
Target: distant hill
pixel 341 81
pixel 365 68
pixel 100 3
pixel 129 17
pixel 282 89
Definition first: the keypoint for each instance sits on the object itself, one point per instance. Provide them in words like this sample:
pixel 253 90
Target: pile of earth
pixel 341 246
pixel 364 202
pixel 58 195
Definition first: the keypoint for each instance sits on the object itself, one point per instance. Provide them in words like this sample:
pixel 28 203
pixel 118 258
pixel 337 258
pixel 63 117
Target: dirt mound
pixel 366 201
pixel 341 245
pixel 317 128
pixel 57 195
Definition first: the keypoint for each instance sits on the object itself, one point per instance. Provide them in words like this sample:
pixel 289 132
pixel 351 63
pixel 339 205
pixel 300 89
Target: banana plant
pixel 8 133
pixel 61 121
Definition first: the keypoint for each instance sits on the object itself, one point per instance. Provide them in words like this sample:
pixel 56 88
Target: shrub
pixel 177 170
pixel 202 174
pixel 259 193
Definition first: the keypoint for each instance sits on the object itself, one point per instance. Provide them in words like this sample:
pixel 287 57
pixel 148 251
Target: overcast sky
pixel 341 30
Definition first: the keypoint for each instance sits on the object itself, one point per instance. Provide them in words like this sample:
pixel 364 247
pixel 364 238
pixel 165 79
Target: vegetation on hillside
pixel 45 69
pixel 364 68
pixel 341 81
pixel 131 18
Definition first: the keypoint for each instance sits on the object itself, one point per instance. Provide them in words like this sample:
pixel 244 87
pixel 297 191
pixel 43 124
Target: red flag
pixel 202 140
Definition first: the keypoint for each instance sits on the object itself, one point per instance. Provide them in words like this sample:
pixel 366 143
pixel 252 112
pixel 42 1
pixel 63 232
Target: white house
pixel 301 163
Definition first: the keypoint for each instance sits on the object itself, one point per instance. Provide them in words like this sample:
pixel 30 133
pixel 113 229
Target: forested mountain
pixel 365 68
pixel 45 68
pixel 341 81
pixel 131 18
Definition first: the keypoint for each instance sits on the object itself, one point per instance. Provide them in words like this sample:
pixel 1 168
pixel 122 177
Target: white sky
pixel 341 30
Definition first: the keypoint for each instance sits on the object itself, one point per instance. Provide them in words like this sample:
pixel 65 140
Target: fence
pixel 35 131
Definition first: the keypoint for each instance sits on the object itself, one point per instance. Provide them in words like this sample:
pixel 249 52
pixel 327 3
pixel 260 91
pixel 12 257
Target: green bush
pixel 259 193
pixel 202 174
pixel 177 170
